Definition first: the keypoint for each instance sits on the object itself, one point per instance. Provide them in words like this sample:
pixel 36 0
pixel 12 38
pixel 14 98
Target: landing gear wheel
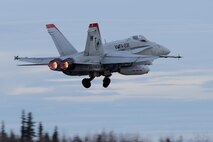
pixel 106 82
pixel 86 83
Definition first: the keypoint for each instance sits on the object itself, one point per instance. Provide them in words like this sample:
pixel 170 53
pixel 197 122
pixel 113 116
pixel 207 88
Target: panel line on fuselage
pixel 137 47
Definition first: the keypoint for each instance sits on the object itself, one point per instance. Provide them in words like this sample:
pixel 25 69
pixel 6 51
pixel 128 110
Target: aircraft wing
pixel 126 58
pixel 116 58
pixel 31 61
pixel 165 56
pixel 34 61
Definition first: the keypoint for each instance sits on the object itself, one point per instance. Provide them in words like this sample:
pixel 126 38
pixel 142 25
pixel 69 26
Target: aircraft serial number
pixel 121 46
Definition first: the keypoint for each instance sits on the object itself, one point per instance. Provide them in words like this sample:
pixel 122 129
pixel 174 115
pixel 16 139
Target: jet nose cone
pixel 164 50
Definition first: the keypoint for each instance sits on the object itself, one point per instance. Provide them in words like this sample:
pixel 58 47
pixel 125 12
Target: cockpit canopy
pixel 139 38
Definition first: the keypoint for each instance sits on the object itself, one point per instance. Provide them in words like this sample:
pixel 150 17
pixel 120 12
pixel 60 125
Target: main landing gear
pixel 86 82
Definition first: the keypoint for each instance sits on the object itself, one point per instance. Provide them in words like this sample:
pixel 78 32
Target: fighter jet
pixel 130 56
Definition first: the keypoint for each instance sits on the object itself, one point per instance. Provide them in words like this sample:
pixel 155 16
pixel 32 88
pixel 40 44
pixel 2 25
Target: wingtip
pixel 16 57
pixel 93 25
pixel 50 26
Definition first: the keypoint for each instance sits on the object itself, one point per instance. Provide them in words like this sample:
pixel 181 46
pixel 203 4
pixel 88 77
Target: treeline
pixel 30 133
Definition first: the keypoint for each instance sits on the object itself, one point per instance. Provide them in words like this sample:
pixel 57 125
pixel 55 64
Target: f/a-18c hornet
pixel 130 56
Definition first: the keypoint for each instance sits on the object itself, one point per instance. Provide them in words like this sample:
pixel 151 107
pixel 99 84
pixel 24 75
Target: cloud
pixel 185 85
pixel 31 90
pixel 64 80
pixel 208 86
pixel 85 98
pixel 27 22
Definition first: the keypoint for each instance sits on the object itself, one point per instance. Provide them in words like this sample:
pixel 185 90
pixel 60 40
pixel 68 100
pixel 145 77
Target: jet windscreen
pixel 139 38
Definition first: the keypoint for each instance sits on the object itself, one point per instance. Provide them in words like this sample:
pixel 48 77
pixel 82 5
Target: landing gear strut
pixel 86 82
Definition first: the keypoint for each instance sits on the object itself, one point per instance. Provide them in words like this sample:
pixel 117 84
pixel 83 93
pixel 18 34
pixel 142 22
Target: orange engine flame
pixel 53 65
pixel 65 65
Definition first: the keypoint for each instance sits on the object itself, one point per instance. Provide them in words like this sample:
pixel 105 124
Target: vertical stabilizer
pixel 63 46
pixel 94 44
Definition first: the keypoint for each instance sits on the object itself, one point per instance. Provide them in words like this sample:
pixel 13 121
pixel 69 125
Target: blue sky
pixel 176 97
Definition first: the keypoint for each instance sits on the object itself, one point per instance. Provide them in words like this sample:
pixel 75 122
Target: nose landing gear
pixel 106 82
